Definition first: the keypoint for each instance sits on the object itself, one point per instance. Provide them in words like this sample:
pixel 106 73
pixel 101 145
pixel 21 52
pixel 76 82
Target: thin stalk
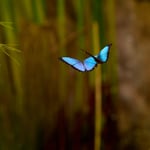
pixel 38 11
pixel 111 33
pixel 61 31
pixel 80 43
pixel 26 7
pixel 98 94
pixel 88 38
pixel 96 33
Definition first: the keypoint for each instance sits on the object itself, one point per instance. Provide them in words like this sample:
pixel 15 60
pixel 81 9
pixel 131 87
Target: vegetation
pixel 44 104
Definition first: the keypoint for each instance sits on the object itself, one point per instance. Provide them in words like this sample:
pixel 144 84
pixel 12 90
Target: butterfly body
pixel 89 63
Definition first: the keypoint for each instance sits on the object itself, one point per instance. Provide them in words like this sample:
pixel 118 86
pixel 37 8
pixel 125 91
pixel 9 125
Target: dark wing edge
pixel 60 58
pixel 91 69
pixel 96 59
pixel 94 64
pixel 109 46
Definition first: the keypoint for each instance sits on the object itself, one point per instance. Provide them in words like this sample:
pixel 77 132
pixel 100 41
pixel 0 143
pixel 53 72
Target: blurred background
pixel 47 105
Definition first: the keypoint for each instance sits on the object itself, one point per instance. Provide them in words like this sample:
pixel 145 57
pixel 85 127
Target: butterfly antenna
pixel 97 60
pixel 110 44
pixel 87 53
pixel 90 53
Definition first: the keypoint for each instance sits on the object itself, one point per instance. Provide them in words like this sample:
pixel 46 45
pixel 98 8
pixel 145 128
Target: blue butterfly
pixel 89 63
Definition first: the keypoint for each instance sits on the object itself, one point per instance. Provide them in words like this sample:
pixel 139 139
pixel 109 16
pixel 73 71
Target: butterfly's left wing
pixel 75 63
pixel 89 63
pixel 104 54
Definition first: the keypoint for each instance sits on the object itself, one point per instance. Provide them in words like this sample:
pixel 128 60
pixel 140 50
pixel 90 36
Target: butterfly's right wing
pixel 104 54
pixel 75 63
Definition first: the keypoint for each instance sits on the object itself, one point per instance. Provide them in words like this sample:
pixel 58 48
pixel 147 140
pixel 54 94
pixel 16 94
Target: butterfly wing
pixel 75 63
pixel 104 54
pixel 89 63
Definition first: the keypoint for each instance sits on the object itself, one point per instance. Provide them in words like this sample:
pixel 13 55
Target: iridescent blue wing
pixel 104 54
pixel 75 63
pixel 89 63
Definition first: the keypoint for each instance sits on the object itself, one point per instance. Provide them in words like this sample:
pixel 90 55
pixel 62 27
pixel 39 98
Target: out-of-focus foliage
pixel 44 104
